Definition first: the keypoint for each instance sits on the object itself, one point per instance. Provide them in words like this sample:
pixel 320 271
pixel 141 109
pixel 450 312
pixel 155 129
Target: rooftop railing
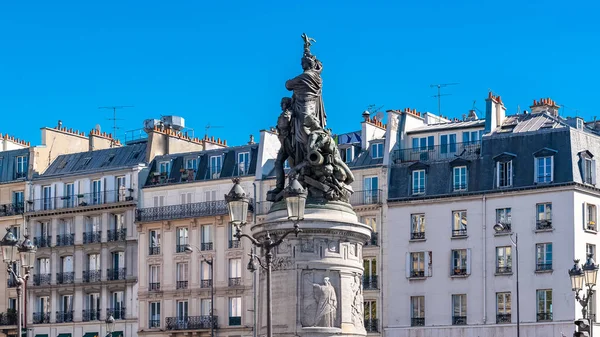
pixel 205 208
pixel 79 200
pixel 437 152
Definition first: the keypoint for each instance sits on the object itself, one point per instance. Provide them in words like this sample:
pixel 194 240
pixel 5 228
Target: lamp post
pixel 237 203
pixel 588 275
pixel 499 228
pixel 188 249
pixel 11 251
pixel 110 325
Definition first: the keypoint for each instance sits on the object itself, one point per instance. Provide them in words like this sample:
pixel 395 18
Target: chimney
pixel 366 116
pixel 495 112
pixel 545 105
pixel 251 140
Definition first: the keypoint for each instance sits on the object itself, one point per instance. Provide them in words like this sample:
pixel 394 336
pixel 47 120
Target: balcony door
pixel 93 302
pixel 205 307
pixel 93 262
pixel 182 311
pixel 44 230
pixel 66 227
pixel 43 304
pixel 67 303
pixel 47 197
pixel 67 264
pixel 43 266
pixel 69 195
pixel 96 192
pixel 118 260
pixel 371 188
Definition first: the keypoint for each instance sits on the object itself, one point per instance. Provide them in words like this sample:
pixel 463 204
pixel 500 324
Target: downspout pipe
pixel 483 218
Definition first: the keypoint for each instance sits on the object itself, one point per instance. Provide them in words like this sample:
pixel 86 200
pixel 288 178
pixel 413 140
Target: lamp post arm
pixel 255 242
pixel 259 260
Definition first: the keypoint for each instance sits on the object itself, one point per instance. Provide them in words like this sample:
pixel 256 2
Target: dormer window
pixel 165 167
pixel 504 169
pixel 418 182
pixel 191 164
pixel 544 165
pixel 21 164
pixel 243 162
pixel 377 150
pixel 349 151
pixel 215 166
pixel 587 165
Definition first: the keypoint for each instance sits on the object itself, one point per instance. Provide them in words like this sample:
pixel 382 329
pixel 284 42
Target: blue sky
pixel 225 63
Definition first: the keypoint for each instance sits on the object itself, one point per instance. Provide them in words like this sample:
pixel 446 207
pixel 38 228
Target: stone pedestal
pixel 317 276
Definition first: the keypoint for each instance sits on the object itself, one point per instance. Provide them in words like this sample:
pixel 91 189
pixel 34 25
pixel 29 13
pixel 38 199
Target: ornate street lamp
pixel 295 199
pixel 576 275
pixel 110 325
pixel 237 204
pixel 9 247
pixel 501 228
pixel 27 252
pixel 589 274
pixel 590 270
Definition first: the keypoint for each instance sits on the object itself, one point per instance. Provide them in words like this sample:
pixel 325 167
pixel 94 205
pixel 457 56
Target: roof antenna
pixel 113 141
pixel 439 94
pixel 208 126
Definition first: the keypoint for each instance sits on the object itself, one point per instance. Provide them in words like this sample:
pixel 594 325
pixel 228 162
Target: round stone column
pixel 317 276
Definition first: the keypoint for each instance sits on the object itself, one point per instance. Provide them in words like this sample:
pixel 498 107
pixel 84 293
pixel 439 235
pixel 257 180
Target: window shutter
pixel 535 169
pixel 182 199
pixel 497 174
pixel 585 217
pixel 552 169
pixel 407 265
pixel 593 172
pixel 468 261
pixel 426 264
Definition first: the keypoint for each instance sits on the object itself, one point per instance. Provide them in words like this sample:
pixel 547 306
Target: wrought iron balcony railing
pixel 417 321
pixel 235 281
pixel 437 152
pixel 504 270
pixel 90 276
pixel 19 175
pixel 235 320
pixel 41 279
pixel 116 234
pixel 12 209
pixel 180 248
pixel 235 244
pixel 459 271
pixel 79 200
pixel 206 283
pixel 372 325
pixel 206 208
pixel 191 322
pixel 503 318
pixel 366 197
pixel 64 316
pixel 370 282
pixel 90 315
pixel 417 273
pixel 459 320
pixel 117 313
pixel 8 318
pixel 544 316
pixel 543 224
pixel 417 235
pixel 65 240
pixel 154 250
pixel 154 323
pixel 41 317
pixel 116 274
pixel 374 241
pixel 65 278
pixel 154 286
pixel 459 232
pixel 92 237
pixel 206 246
pixel 182 284
pixel 42 241
pixel 542 266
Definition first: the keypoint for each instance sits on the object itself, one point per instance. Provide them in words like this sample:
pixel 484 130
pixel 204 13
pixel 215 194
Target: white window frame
pixel 215 167
pixel 543 211
pixel 243 162
pixel 461 173
pixel 459 301
pixel 460 259
pixel 165 167
pixel 235 307
pixel 377 150
pixel 504 258
pixel 590 220
pixel 501 305
pixel 547 177
pixel 420 176
pixel 417 307
pixel 182 272
pixel 417 223
pixel 544 301
pixel 22 164
pixel 506 180
pixel 193 162
pixel 349 154
pixel 414 261
pixel 154 313
pixel 542 250
pixel 458 227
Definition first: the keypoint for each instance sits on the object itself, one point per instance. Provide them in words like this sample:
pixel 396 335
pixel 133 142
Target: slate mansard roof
pixel 8 165
pixel 97 161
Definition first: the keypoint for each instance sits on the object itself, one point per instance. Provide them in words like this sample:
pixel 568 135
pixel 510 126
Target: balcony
pixel 417 235
pixel 180 248
pixel 417 273
pixel 12 209
pixel 65 240
pixel 154 250
pixel 191 322
pixel 8 318
pixel 372 325
pixel 235 320
pixel 235 281
pixel 591 226
pixel 172 212
pixel 155 286
pixel 117 313
pixel 116 274
pixel 90 315
pixel 366 197
pixel 543 266
pixel 206 246
pixel 370 282
pixel 417 321
pixel 19 175
pixel 434 153
pixel 374 241
pixel 41 279
pixel 206 283
pixel 503 318
pixel 457 233
pixel 65 278
pixel 154 323
pixel 116 235
pixel 41 317
pixel 64 316
pixel 92 237
pixel 42 241
pixel 233 244
pixel 504 270
pixel 182 284
pixel 459 320
pixel 544 316
pixel 542 225
pixel 459 271
pixel 90 276
pixel 79 200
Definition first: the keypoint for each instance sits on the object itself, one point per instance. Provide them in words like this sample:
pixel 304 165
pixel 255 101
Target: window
pixel 235 272
pixel 544 305
pixel 205 307
pixel 418 264
pixel 459 178
pixel 69 195
pixel 18 200
pixel 418 182
pixel 16 231
pixel 589 171
pixel 503 260
pixel 154 315
pixel 417 310
pixel 590 217
pixel 191 164
pixel 503 217
pixel 417 227
pixel 377 150
pixel 371 186
pixel 182 311
pixel 423 143
pixel 210 195
pixel 590 249
pixel 503 308
pixel 370 221
pixel 243 162
pixel 461 262
pixel 504 172
pixel 448 143
pixel 165 167
pixel 370 274
pixel 182 275
pixel 543 256
pixel 544 169
pixel 459 309
pixel 470 137
pixel 47 200
pixel 21 166
pixel 349 151
pixel 207 239
pixel 370 315
pixel 12 303
pixel 96 192
pixel 543 216
pixel 186 198
pixel 182 239
pixel 154 242
pixel 215 167
pixel 159 200
pixel 459 223
pixel 154 278
pixel 205 274
pixel 235 311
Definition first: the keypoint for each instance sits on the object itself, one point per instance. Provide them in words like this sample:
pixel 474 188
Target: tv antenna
pixel 439 94
pixel 115 119
pixel 208 127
